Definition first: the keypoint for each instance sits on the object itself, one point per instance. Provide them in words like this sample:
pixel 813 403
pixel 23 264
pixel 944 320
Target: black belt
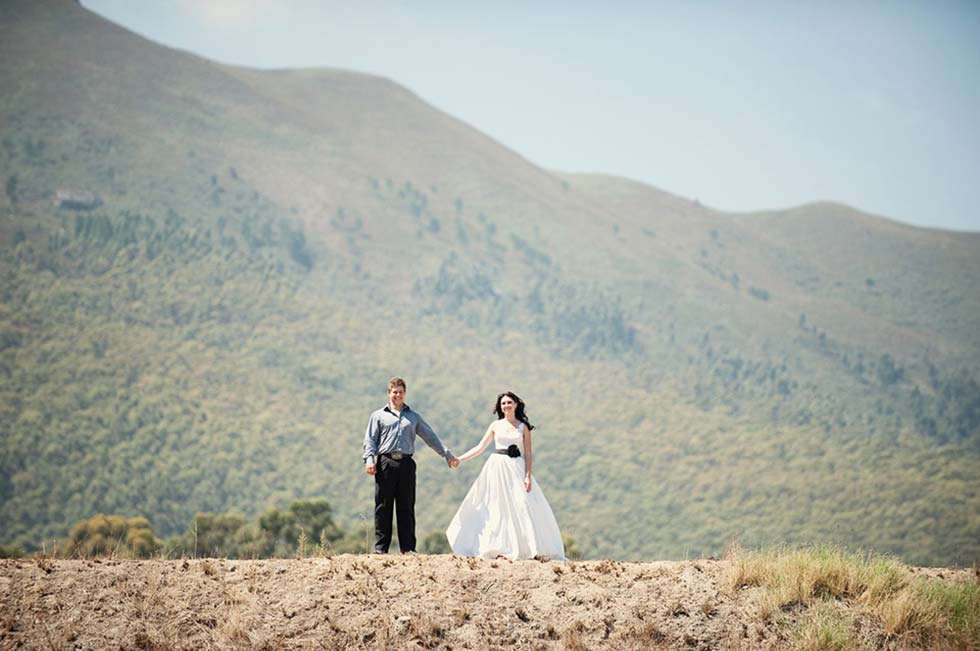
pixel 512 451
pixel 397 456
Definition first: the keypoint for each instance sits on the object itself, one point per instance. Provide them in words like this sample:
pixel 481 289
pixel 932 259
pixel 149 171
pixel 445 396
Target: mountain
pixel 209 273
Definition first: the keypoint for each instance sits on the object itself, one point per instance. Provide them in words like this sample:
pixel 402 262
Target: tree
pixel 759 293
pixel 250 542
pixel 312 517
pixel 215 535
pixel 11 188
pixel 359 540
pixel 888 372
pixel 315 517
pixel 298 249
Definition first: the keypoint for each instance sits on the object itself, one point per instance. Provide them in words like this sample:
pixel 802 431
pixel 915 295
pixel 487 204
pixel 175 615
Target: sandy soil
pixel 376 602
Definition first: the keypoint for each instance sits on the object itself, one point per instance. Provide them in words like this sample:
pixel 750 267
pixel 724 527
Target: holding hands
pixel 452 462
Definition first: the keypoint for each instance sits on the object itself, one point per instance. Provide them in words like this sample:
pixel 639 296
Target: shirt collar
pixel 405 408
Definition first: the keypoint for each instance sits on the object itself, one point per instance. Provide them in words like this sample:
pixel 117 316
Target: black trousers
pixel 394 492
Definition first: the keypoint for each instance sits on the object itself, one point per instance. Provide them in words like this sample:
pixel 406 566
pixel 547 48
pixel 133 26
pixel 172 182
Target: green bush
pixel 435 543
pixel 11 551
pixel 112 535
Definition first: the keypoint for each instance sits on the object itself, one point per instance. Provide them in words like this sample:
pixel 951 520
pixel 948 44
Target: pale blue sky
pixel 743 105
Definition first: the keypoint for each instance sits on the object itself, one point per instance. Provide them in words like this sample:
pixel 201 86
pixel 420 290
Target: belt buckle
pixel 396 455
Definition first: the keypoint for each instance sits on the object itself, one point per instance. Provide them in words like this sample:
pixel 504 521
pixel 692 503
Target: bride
pixel 505 514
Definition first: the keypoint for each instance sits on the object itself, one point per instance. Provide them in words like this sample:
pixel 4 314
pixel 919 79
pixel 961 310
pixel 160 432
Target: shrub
pixel 435 543
pixel 759 293
pixel 11 551
pixel 112 535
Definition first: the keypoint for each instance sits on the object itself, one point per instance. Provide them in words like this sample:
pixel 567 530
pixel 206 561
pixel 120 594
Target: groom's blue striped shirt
pixel 387 433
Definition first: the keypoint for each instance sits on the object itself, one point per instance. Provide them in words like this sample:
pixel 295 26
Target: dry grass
pixel 825 629
pixel 646 638
pixel 927 610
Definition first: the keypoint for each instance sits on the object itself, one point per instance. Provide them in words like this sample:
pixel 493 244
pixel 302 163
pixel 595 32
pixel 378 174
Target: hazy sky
pixel 743 105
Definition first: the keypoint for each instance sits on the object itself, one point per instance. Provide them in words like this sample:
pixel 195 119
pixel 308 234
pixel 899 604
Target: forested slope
pixel 208 273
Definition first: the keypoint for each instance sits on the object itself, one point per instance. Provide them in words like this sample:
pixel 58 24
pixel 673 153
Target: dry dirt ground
pixel 376 602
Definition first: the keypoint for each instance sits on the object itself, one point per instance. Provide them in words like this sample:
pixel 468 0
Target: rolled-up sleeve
pixel 430 438
pixel 371 440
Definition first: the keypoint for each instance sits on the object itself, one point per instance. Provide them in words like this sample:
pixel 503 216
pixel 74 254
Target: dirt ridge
pixel 379 602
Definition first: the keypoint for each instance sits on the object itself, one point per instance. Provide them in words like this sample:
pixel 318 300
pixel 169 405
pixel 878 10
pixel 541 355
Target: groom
pixel 389 444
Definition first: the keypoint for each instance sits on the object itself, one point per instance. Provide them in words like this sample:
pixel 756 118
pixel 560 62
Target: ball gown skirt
pixel 499 518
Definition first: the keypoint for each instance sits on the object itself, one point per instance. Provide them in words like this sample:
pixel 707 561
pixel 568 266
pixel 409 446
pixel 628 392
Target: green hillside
pixel 208 273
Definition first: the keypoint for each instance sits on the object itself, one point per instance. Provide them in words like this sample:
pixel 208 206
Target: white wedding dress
pixel 499 518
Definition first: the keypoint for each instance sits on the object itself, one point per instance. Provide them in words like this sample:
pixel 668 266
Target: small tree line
pixel 306 528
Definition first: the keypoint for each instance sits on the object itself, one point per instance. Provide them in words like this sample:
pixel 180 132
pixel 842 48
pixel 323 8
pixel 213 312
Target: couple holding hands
pixel 504 514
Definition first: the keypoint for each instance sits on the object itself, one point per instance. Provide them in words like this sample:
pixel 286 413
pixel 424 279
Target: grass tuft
pixel 939 613
pixel 825 629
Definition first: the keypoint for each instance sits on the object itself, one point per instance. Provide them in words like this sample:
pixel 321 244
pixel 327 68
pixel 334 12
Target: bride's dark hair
pixel 519 412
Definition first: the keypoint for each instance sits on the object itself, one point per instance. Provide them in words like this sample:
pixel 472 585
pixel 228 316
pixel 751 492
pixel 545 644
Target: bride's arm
pixel 478 449
pixel 527 459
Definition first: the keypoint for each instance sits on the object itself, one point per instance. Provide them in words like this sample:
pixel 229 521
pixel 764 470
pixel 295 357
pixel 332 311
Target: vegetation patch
pixel 913 607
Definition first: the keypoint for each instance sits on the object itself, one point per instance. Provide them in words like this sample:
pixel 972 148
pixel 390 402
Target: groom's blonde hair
pixel 397 382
